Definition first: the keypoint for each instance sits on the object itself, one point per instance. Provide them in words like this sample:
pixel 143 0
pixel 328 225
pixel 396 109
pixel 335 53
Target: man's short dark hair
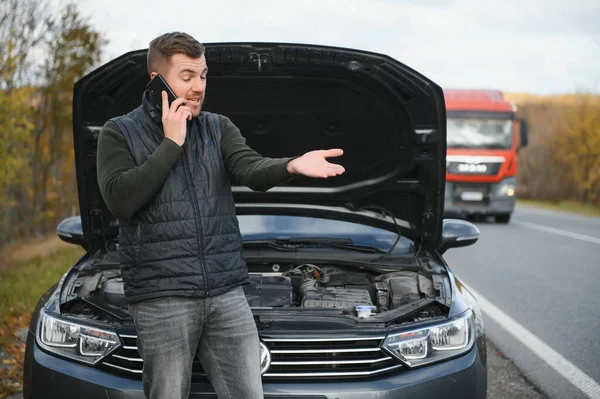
pixel 168 44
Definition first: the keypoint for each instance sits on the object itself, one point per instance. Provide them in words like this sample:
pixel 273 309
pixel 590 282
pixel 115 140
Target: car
pixel 349 287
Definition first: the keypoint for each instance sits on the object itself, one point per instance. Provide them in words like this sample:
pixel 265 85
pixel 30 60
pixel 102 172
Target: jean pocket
pixel 234 298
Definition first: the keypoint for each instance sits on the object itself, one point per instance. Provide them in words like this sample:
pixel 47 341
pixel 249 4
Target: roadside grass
pixel 564 206
pixel 22 283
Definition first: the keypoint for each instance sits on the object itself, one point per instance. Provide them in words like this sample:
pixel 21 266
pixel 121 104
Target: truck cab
pixel 483 138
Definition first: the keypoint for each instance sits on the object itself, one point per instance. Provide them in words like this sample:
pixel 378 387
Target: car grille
pixel 291 358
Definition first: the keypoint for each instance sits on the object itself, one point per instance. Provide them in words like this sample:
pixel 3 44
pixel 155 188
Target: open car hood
pixel 288 99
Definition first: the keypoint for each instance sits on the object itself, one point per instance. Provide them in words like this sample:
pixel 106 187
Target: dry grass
pixel 29 270
pixel 565 206
pixel 38 247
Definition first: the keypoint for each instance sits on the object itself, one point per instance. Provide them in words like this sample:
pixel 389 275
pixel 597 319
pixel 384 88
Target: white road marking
pixel 559 232
pixel 555 360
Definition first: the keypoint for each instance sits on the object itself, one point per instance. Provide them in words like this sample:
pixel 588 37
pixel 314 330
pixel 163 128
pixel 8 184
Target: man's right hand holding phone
pixel 174 118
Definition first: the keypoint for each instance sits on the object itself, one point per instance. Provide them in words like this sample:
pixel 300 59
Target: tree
pixel 23 25
pixel 539 175
pixel 43 51
pixel 15 130
pixel 577 147
pixel 73 47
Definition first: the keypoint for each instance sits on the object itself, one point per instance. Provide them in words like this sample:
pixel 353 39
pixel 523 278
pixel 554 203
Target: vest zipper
pixel 199 230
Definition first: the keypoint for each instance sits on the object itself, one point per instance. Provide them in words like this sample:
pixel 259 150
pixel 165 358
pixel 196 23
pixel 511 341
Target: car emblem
pixel 265 358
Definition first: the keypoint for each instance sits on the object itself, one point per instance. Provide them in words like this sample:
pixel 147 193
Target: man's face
pixel 187 78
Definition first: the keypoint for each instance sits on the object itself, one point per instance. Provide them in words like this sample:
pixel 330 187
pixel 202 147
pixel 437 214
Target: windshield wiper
pixel 292 244
pixel 274 244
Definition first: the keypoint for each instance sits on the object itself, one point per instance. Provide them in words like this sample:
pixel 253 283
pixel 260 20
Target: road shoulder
pixel 505 381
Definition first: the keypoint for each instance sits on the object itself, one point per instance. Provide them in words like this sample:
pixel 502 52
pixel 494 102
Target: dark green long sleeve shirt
pixel 127 188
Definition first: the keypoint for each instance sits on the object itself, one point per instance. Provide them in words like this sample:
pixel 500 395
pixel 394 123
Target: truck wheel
pixel 505 218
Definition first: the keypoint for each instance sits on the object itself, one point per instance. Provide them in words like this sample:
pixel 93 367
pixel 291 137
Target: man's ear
pixel 153 74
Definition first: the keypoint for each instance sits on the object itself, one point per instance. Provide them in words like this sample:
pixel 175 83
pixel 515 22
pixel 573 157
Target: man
pixel 165 175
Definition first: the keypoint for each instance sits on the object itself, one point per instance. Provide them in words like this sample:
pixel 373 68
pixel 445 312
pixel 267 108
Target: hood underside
pixel 288 99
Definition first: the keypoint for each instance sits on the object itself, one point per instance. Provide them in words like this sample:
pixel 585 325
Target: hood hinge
pixel 98 228
pixel 427 226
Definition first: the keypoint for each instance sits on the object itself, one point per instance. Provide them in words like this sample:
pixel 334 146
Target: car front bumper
pixel 47 376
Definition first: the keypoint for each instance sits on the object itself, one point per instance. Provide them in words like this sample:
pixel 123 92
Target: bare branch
pixel 24 24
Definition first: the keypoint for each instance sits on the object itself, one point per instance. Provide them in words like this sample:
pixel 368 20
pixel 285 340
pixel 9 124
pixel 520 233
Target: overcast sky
pixel 536 46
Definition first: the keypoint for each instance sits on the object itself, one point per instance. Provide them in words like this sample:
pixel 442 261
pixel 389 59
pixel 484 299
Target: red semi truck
pixel 483 137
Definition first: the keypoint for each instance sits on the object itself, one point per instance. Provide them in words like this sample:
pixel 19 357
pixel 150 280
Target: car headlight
pixel 76 341
pixel 433 343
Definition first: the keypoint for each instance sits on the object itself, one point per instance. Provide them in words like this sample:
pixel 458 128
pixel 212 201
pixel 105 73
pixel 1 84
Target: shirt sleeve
pixel 125 186
pixel 245 166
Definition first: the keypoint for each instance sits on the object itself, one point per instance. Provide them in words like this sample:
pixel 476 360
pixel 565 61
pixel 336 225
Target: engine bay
pixel 99 290
pixel 312 286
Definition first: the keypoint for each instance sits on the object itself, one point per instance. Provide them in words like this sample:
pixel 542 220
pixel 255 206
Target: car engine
pixel 268 291
pixel 306 286
pixel 332 289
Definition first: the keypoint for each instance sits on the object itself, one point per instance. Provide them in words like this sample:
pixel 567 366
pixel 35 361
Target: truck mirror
pixel 524 133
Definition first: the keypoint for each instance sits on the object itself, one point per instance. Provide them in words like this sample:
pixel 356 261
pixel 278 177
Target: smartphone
pixel 156 86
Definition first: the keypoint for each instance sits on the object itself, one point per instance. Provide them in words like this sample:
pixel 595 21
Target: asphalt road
pixel 539 277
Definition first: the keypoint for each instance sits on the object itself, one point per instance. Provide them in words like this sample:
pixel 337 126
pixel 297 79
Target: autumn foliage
pixel 43 52
pixel 45 48
pixel 562 161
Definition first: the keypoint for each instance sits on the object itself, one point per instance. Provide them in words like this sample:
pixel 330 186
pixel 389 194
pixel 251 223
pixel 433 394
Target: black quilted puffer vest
pixel 186 240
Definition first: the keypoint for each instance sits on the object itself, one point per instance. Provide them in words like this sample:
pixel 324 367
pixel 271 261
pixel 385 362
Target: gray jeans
pixel 219 330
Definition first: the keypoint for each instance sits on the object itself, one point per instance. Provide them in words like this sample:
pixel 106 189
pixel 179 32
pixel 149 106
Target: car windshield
pixel 479 133
pixel 275 227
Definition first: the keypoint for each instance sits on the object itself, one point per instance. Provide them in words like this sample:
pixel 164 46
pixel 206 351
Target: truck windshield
pixel 479 133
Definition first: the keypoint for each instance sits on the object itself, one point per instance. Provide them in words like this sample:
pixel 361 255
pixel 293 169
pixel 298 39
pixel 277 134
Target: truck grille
pixel 483 169
pixel 476 165
pixel 291 358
